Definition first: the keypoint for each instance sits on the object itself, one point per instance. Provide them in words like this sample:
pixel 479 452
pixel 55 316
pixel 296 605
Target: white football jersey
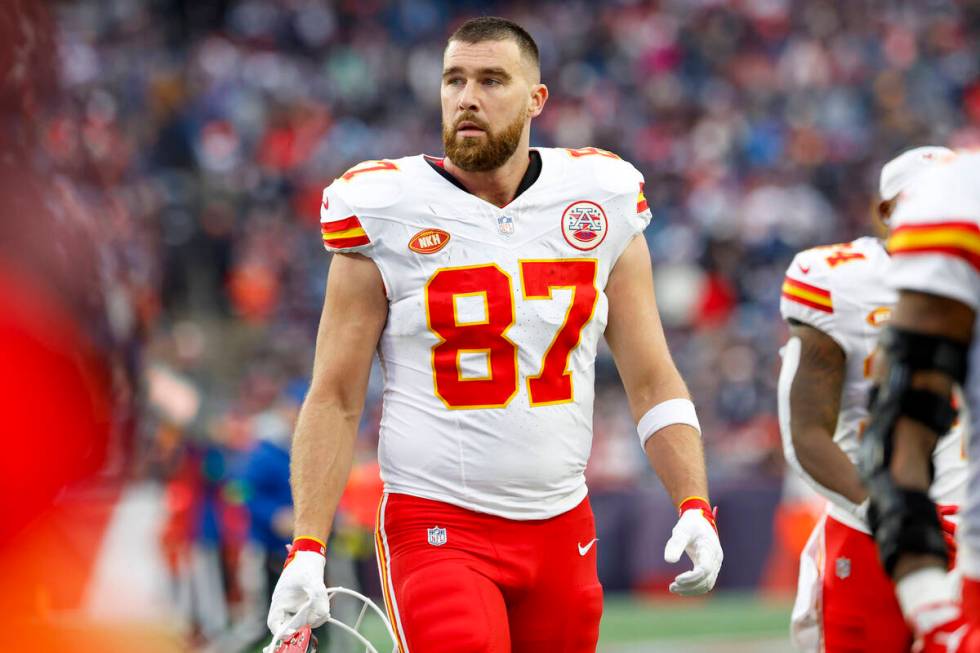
pixel 843 290
pixel 494 320
pixel 935 245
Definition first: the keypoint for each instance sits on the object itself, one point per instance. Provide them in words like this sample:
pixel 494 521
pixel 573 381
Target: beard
pixel 474 154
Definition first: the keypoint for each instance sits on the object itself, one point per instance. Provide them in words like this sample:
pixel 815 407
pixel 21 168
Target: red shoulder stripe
pixel 808 303
pixel 641 203
pixel 957 252
pixel 805 286
pixel 340 225
pixel 341 243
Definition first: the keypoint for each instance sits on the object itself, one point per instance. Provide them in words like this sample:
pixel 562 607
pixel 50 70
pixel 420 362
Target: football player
pixel 930 349
pixel 836 300
pixel 484 280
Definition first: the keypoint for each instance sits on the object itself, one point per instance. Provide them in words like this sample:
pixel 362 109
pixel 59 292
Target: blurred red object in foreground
pixel 62 464
pixel 55 414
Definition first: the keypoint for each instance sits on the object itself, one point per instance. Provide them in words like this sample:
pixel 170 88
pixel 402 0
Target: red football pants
pixel 971 613
pixel 494 585
pixel 860 610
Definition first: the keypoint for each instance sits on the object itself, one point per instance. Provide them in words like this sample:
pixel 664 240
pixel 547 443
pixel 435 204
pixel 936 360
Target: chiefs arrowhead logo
pixel 879 316
pixel 428 241
pixel 804 270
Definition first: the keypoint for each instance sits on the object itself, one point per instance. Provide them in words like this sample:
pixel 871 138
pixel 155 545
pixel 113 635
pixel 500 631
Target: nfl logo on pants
pixel 437 536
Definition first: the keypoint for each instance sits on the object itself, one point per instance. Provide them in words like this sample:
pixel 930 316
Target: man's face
pixel 487 93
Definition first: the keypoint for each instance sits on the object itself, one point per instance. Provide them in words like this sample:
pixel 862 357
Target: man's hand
pixel 300 597
pixel 695 533
pixel 948 637
pixel 931 603
pixel 939 629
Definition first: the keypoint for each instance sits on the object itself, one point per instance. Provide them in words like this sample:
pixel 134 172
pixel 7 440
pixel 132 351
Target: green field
pixel 730 623
pixel 724 623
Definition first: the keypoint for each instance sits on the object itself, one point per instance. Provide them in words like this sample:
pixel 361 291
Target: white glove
pixel 694 534
pixel 300 597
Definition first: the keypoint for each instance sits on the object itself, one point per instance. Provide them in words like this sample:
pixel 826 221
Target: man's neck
pixel 497 186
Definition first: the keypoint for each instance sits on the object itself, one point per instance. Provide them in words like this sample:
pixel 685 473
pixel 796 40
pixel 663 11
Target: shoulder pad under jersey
pixel 807 291
pixel 612 174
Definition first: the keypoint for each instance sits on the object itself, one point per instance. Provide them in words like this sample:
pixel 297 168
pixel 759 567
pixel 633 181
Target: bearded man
pixel 484 280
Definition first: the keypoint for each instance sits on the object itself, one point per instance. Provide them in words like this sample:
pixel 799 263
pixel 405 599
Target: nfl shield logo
pixel 505 224
pixel 842 568
pixel 437 536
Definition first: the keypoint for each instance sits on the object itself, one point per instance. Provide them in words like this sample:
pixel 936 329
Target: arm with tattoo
pixel 814 396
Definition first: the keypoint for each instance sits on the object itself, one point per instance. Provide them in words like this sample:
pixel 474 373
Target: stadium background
pixel 172 155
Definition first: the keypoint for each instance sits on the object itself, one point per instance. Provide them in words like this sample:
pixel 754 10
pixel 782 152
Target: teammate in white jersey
pixel 836 300
pixel 484 281
pixel 935 244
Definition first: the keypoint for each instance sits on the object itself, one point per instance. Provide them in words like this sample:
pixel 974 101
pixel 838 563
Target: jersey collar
pixel 530 175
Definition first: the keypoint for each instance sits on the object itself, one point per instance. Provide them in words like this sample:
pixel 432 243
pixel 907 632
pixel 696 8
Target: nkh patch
pixel 437 536
pixel 428 241
pixel 842 568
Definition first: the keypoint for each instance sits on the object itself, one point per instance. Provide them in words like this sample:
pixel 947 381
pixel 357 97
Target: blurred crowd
pixel 204 133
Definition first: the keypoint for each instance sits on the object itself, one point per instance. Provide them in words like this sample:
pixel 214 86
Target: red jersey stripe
pixel 933 226
pixel 341 243
pixel 958 252
pixel 641 200
pixel 957 239
pixel 340 225
pixel 808 303
pixel 805 286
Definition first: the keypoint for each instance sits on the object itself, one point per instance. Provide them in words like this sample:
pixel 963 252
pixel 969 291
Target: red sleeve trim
pixel 340 225
pixel 344 243
pixel 955 252
pixel 698 503
pixel 955 239
pixel 305 544
pixel 808 303
pixel 805 286
pixel 641 202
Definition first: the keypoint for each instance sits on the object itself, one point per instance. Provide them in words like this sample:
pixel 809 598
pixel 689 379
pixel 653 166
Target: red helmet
pixel 302 641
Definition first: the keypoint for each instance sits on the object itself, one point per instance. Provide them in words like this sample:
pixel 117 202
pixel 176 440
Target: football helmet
pixel 303 640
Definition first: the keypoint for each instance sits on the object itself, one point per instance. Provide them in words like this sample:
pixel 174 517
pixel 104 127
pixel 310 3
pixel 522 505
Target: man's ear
pixel 539 95
pixel 883 212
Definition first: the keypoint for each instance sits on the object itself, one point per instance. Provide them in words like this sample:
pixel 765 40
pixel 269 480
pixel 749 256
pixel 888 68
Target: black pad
pixel 934 411
pixel 908 353
pixel 918 351
pixel 903 521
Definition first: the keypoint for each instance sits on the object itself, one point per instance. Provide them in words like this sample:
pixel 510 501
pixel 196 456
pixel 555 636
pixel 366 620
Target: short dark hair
pixel 494 28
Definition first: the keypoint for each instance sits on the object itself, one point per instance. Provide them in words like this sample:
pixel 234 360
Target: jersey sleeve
pixel 643 213
pixel 807 295
pixel 622 180
pixel 634 187
pixel 935 238
pixel 341 228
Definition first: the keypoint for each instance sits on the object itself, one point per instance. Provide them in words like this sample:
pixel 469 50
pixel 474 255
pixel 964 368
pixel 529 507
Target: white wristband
pixel 672 411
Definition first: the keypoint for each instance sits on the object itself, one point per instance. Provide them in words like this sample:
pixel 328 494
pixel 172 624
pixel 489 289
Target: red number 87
pixel 553 382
